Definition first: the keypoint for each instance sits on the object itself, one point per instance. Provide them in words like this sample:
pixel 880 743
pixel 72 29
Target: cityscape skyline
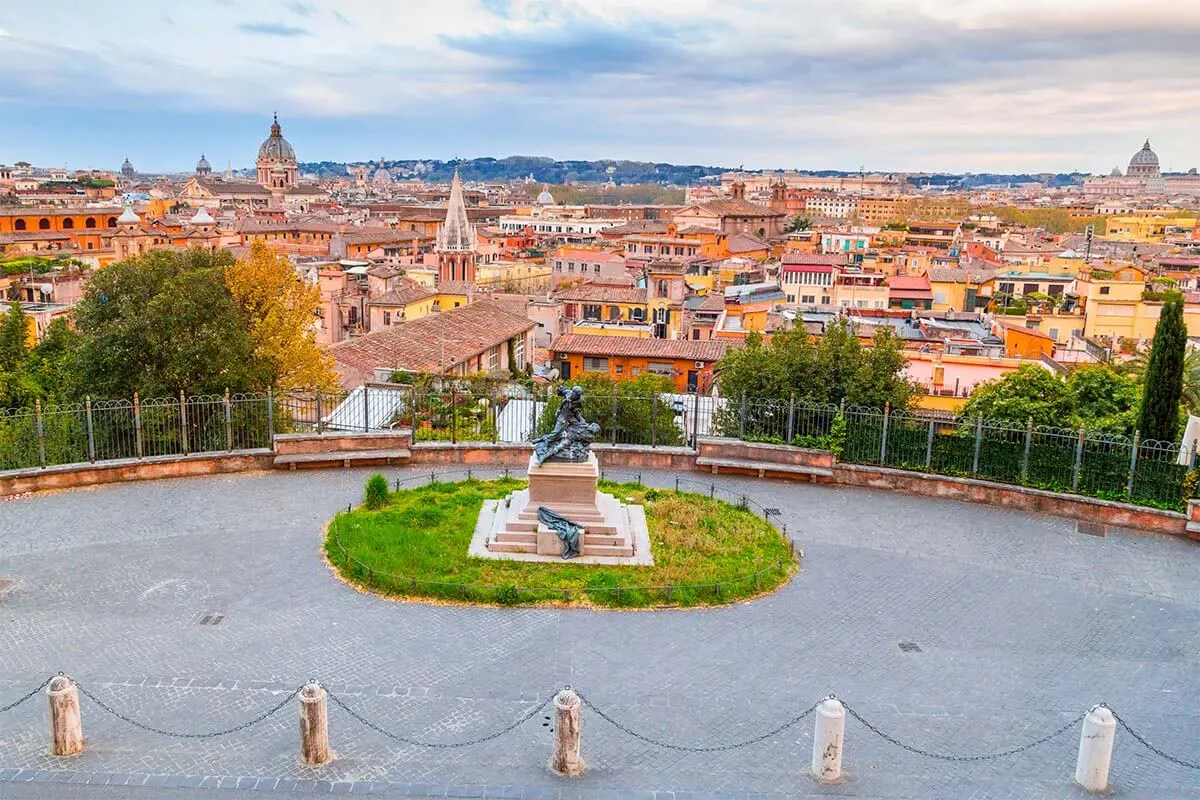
pixel 980 87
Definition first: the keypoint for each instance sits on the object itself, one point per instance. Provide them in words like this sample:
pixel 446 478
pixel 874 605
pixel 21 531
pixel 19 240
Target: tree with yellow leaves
pixel 279 309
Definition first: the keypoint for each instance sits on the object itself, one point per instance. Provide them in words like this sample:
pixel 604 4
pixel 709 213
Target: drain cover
pixel 910 647
pixel 209 619
pixel 769 511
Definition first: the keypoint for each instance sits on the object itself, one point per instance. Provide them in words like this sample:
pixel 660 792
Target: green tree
pixel 798 223
pixel 1103 399
pixel 14 333
pixel 1032 392
pixel 161 323
pixel 1158 417
pixel 879 379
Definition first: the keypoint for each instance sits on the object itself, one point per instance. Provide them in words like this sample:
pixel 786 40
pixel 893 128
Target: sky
pixel 886 85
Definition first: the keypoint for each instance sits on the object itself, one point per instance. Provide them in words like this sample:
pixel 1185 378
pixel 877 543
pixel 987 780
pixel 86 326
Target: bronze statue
pixel 567 531
pixel 572 435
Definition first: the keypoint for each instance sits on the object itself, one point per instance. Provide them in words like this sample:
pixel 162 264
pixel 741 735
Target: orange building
pixel 1022 342
pixel 688 363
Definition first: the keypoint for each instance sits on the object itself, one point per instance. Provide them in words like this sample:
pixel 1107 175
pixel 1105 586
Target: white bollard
pixel 1095 749
pixel 828 737
pixel 566 760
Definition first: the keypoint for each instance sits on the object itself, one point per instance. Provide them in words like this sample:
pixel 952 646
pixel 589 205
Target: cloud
pixel 272 29
pixel 301 8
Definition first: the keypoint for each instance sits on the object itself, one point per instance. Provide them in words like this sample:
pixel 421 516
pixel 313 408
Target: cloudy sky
pixel 962 85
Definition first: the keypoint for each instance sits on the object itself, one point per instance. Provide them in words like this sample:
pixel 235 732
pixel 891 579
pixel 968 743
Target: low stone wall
pixel 71 476
pixel 766 453
pixel 1086 509
pixel 517 455
pixel 287 444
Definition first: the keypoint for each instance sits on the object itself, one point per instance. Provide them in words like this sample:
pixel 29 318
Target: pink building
pixel 599 266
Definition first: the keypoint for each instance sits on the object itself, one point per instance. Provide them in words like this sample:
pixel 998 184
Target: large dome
pixel 1144 157
pixel 275 147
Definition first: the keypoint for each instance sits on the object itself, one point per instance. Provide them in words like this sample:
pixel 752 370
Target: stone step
pixel 511 547
pixel 603 540
pixel 605 550
pixel 515 537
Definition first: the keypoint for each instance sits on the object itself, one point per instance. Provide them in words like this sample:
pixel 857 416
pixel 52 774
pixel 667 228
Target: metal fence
pixel 1144 472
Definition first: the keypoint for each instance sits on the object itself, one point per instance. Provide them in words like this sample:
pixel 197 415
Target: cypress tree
pixel 14 329
pixel 1159 414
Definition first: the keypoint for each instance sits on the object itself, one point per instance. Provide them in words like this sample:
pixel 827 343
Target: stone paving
pixel 1021 623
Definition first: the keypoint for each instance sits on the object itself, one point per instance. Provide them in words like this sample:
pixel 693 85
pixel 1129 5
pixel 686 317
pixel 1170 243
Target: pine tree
pixel 1159 415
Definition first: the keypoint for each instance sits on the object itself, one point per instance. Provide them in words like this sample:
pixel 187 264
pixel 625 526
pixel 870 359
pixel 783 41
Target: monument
pixel 562 515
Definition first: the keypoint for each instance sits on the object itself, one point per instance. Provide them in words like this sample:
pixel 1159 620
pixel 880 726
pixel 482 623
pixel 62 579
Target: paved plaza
pixel 1019 623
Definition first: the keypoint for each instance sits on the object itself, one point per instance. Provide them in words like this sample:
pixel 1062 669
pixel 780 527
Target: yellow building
pixel 519 276
pixel 959 289
pixel 860 290
pixel 1146 228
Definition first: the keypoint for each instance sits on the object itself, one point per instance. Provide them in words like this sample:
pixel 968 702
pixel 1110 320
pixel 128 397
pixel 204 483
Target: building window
pixel 662 288
pixel 1030 288
pixel 1104 289
pixel 695 333
pixel 494 358
pixel 519 354
pixel 1055 290
pixel 595 364
pixel 620 368
pixel 596 269
pixel 591 312
pixel 1006 288
pixel 387 318
pixel 661 368
pixel 43 224
pixel 808 298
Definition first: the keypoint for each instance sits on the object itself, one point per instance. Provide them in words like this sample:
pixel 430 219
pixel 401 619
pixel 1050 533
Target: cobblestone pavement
pixel 1021 623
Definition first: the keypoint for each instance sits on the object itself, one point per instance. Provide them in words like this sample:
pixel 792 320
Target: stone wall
pixel 75 475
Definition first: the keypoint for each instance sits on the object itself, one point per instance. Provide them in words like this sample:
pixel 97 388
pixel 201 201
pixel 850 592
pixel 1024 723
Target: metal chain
pixel 211 735
pixel 439 745
pixel 689 749
pixel 1149 746
pixel 950 757
pixel 35 690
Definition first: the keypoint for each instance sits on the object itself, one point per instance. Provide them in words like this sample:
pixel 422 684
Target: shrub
pixel 375 495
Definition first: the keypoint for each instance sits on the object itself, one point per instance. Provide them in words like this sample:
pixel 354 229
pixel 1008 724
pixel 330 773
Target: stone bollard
pixel 566 760
pixel 66 726
pixel 1095 749
pixel 828 737
pixel 314 725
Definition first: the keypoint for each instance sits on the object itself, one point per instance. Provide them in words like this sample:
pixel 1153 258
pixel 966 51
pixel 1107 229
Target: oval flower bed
pixel 414 544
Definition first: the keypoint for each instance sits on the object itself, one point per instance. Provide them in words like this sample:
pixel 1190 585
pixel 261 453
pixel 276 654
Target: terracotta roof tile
pixel 406 291
pixel 425 344
pixel 600 345
pixel 602 293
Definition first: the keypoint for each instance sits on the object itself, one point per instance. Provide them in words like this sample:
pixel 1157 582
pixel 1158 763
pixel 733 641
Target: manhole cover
pixel 209 619
pixel 910 647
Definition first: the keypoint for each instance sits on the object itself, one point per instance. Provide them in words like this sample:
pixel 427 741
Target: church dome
pixel 128 217
pixel 202 166
pixel 1144 157
pixel 202 217
pixel 275 147
pixel 545 198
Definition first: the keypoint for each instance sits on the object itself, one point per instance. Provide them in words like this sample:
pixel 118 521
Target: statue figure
pixel 567 531
pixel 572 434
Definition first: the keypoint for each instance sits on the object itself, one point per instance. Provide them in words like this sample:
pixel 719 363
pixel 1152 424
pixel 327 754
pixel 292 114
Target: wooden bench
pixel 346 457
pixel 763 467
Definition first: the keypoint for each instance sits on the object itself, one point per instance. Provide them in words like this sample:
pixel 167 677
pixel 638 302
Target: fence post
pixel 883 436
pixel 228 421
pixel 453 414
pixel 1028 448
pixel 1095 749
pixel 742 419
pixel 493 402
pixel 41 433
pixel 271 417
pixel 696 421
pixel 613 421
pixel 66 725
pixel 87 404
pixel 1133 458
pixel 653 419
pixel 366 408
pixel 978 444
pixel 828 738
pixel 314 725
pixel 791 423
pixel 566 760
pixel 137 425
pixel 183 423
pixel 320 414
pixel 929 447
pixel 1078 459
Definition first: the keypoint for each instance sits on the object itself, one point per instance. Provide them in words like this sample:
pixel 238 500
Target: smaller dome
pixel 1144 157
pixel 275 147
pixel 128 217
pixel 1116 172
pixel 545 198
pixel 202 217
pixel 202 165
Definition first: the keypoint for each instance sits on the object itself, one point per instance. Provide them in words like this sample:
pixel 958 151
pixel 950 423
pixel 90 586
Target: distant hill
pixel 543 170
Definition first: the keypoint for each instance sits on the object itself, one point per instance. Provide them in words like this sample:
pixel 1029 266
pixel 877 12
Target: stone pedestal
pixel 612 532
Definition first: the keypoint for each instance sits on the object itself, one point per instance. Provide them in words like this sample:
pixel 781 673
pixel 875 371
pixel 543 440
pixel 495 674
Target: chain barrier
pixel 690 749
pixel 439 745
pixel 951 757
pixel 34 691
pixel 1142 740
pixel 177 735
